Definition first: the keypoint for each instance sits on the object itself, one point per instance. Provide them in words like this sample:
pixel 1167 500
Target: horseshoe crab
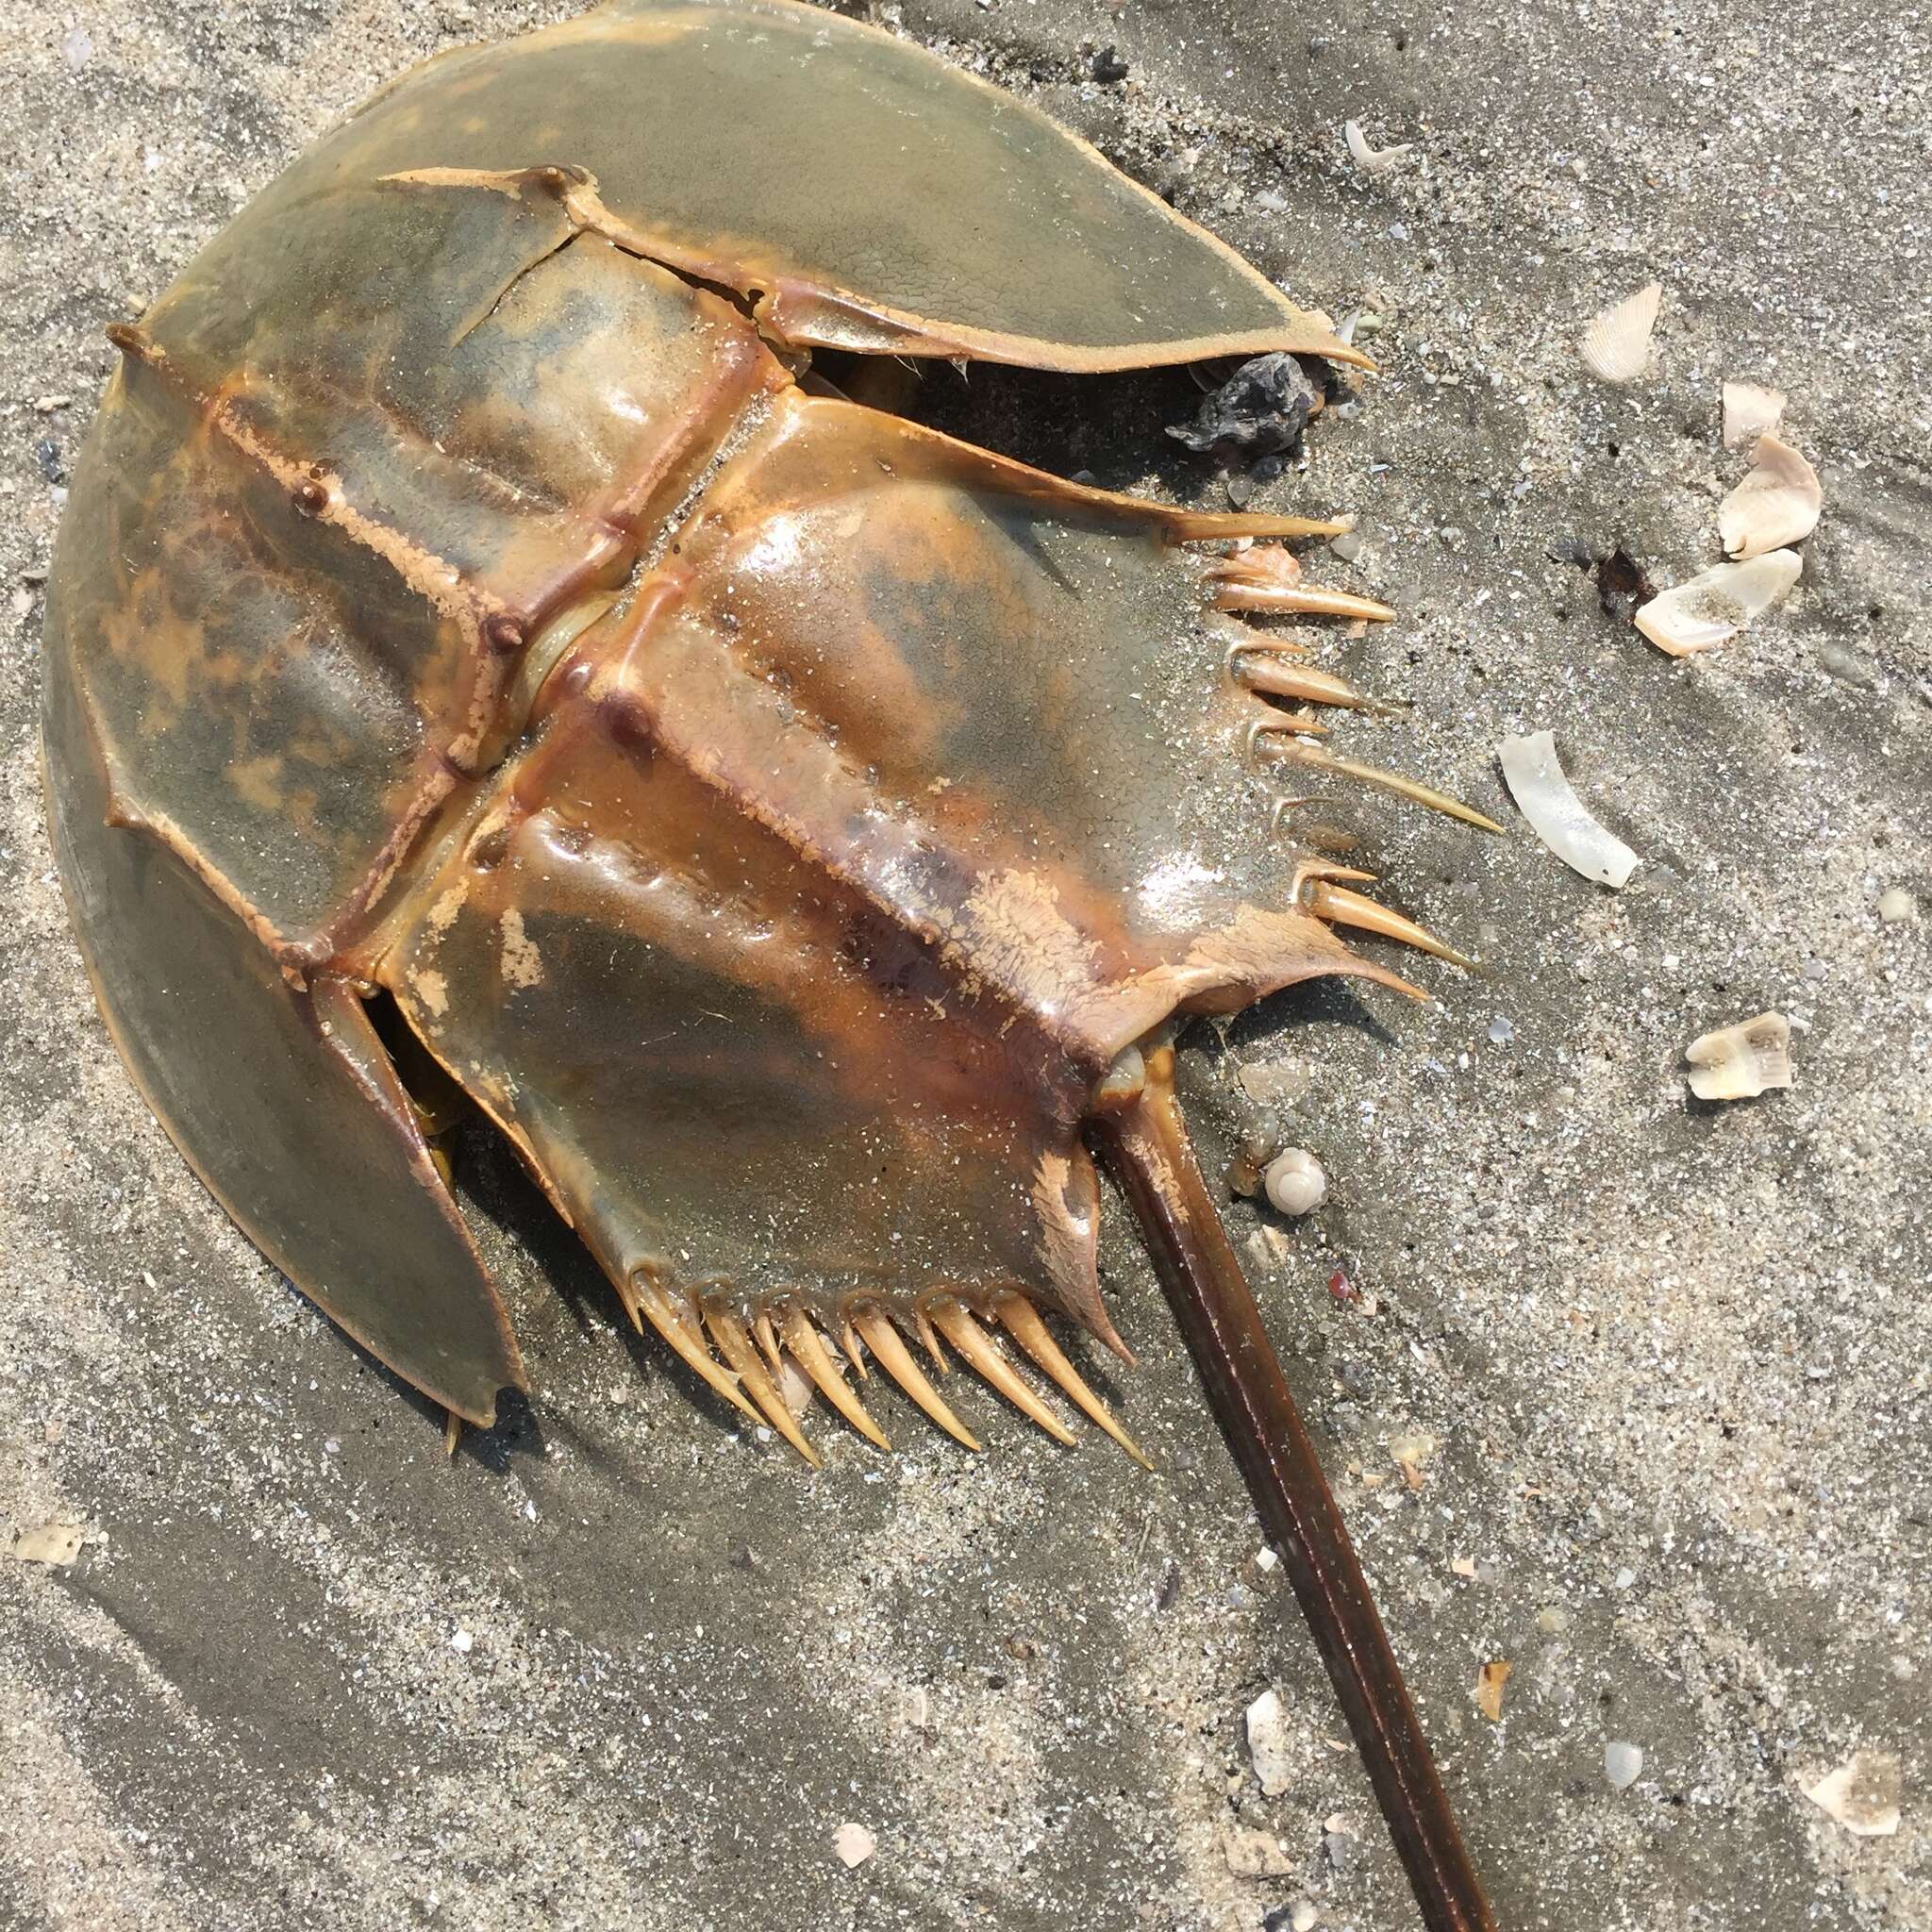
pixel 487 658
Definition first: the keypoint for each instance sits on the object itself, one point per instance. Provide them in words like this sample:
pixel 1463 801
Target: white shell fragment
pixel 1750 411
pixel 1371 160
pixel 1623 1764
pixel 1616 346
pixel 1736 1063
pixel 1776 504
pixel 1270 1744
pixel 1714 605
pixel 1295 1182
pixel 1862 1795
pixel 55 1543
pixel 852 1844
pixel 1558 816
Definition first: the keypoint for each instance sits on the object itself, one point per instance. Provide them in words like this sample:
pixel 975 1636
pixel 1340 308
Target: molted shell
pixel 471 648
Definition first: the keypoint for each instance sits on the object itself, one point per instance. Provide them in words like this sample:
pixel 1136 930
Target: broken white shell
pixel 1714 605
pixel 1736 1062
pixel 1616 345
pixel 1295 1182
pixel 1371 160
pixel 1271 1744
pixel 1750 411
pixel 1862 1794
pixel 1776 504
pixel 1558 816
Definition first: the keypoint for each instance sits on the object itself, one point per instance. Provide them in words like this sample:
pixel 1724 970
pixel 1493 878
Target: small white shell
pixel 1616 345
pixel 1558 816
pixel 1750 412
pixel 1862 1794
pixel 1776 504
pixel 852 1844
pixel 1714 605
pixel 1371 160
pixel 1736 1062
pixel 1295 1182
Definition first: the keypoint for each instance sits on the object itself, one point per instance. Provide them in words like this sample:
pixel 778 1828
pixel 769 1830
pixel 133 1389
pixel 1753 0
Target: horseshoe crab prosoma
pixel 798 831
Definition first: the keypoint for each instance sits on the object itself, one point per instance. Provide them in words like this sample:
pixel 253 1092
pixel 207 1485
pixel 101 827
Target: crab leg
pixel 1284 744
pixel 735 1344
pixel 1277 676
pixel 1147 1143
pixel 654 1306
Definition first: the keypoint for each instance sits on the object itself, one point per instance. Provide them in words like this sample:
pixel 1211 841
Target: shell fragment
pixel 1776 504
pixel 1741 1062
pixel 1371 160
pixel 1616 346
pixel 1714 605
pixel 1862 1795
pixel 1750 411
pixel 1558 816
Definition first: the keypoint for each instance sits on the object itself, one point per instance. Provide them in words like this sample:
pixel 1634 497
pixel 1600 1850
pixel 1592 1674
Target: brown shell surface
pixel 865 813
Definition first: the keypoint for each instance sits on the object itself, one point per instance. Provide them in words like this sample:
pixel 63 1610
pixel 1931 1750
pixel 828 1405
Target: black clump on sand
pixel 1260 411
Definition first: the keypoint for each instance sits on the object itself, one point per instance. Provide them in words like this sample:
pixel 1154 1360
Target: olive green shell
pixel 879 792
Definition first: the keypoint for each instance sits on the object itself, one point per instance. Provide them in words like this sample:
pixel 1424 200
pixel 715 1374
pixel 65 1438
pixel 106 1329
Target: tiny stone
pixel 1347 546
pixel 1341 1849
pixel 1623 1578
pixel 78 48
pixel 462 1643
pixel 1623 1764
pixel 333 1446
pixel 1896 905
pixel 1299 1917
pixel 1554 1621
pixel 1500 1031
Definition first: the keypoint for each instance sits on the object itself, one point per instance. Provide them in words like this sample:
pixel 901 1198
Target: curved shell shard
pixel 1560 818
pixel 1778 504
pixel 1713 607
pixel 1741 1062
